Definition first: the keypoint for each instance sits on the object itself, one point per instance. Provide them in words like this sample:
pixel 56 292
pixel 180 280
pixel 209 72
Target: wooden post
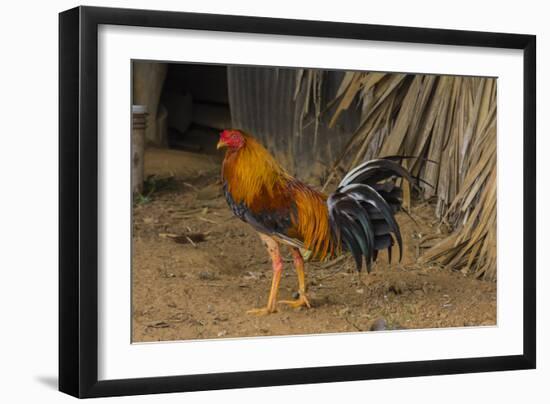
pixel 148 81
pixel 139 124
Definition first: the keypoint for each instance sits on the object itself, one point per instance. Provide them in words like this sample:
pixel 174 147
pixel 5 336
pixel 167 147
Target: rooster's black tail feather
pixel 361 210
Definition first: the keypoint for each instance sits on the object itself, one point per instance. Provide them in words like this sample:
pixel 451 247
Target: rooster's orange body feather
pixel 297 213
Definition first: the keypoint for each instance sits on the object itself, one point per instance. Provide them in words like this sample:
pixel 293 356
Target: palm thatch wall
pixel 447 119
pixel 339 119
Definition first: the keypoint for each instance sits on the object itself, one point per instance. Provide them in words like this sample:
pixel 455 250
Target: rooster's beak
pixel 221 144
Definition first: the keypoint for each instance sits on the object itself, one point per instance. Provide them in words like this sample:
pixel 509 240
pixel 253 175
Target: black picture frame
pixel 78 201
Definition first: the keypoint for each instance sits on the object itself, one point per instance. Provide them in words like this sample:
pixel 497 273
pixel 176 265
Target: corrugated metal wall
pixel 262 101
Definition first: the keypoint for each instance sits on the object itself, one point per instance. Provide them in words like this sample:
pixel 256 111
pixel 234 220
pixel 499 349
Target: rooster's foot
pixel 262 311
pixel 301 301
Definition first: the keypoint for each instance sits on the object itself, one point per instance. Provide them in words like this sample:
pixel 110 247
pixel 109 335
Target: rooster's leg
pixel 277 262
pixel 299 266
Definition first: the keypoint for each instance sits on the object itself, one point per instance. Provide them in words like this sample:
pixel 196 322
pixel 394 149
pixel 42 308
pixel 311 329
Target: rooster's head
pixel 231 138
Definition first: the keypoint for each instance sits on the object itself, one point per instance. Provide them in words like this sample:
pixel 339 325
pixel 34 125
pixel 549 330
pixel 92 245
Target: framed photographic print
pixel 251 201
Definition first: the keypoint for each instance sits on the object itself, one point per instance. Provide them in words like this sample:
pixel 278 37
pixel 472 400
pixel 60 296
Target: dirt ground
pixel 197 269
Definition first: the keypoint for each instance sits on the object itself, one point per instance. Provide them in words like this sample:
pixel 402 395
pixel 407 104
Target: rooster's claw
pixel 261 311
pixel 301 301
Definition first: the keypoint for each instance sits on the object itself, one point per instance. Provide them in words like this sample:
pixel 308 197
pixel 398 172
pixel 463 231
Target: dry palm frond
pixel 447 119
pixel 309 85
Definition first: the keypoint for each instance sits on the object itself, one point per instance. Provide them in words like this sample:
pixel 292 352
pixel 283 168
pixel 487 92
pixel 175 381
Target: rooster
pixel 358 217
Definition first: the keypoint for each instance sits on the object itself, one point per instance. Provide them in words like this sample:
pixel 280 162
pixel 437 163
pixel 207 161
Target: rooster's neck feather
pixel 252 170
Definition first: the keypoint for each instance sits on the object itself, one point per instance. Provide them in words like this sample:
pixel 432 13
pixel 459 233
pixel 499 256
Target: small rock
pixel 252 275
pixel 344 311
pixel 378 325
pixel 207 276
